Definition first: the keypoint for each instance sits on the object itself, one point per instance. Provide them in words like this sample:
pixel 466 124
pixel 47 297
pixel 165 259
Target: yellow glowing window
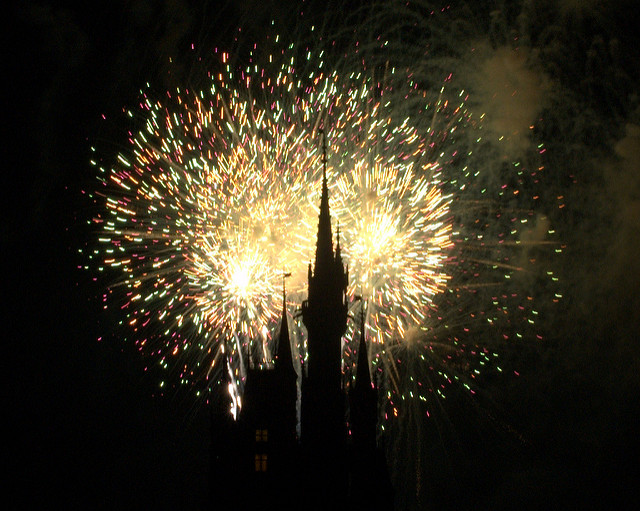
pixel 262 435
pixel 261 462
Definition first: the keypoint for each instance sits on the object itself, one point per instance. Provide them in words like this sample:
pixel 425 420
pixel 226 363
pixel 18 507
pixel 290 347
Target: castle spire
pixel 284 358
pixel 324 244
pixel 367 466
pixel 322 406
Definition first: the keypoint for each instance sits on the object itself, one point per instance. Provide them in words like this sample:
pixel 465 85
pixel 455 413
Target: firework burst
pixel 217 195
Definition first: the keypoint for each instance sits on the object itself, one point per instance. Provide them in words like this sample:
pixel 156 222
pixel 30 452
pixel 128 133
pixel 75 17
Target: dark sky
pixel 85 430
pixel 84 427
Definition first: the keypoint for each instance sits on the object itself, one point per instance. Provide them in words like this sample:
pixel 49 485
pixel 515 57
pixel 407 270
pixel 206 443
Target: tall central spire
pixel 324 314
pixel 328 278
pixel 324 244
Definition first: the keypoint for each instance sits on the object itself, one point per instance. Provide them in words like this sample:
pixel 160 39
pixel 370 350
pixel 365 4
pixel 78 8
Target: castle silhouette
pixel 335 462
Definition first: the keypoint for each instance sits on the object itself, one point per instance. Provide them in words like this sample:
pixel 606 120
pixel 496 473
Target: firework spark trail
pixel 397 236
pixel 218 194
pixel 499 244
pixel 204 218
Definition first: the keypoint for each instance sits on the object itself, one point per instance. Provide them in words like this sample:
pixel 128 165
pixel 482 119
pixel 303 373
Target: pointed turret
pixel 363 396
pixel 363 388
pixel 363 375
pixel 325 310
pixel 268 419
pixel 340 270
pixel 284 358
pixel 324 313
pixel 367 461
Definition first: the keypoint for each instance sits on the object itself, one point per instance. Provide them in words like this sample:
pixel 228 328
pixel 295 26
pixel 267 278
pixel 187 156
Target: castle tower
pixel 369 484
pixel 363 401
pixel 323 470
pixel 324 313
pixel 267 424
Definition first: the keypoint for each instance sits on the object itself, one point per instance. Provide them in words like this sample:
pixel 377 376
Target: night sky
pixel 87 427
